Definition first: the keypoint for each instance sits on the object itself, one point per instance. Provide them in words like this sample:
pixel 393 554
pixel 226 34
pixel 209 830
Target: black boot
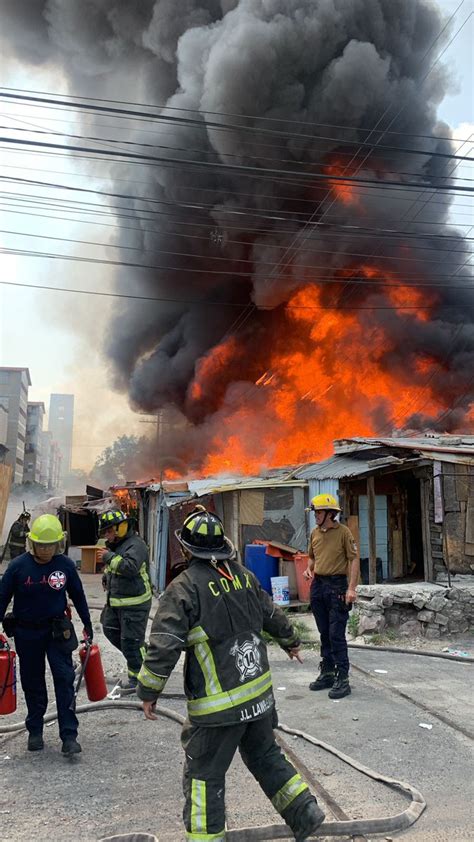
pixel 35 742
pixel 341 686
pixel 325 678
pixel 71 746
pixel 308 820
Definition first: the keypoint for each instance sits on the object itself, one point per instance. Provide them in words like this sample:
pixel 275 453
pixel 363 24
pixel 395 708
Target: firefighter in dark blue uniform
pixel 216 611
pixel 38 581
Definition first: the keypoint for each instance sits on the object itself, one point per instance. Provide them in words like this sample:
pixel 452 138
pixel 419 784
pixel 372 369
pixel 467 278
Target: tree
pixel 118 463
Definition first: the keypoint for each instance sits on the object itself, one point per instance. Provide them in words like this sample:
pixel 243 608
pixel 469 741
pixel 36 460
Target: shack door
pixel 381 532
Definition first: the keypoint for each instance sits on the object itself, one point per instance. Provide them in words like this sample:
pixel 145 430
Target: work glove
pixel 88 632
pixel 104 582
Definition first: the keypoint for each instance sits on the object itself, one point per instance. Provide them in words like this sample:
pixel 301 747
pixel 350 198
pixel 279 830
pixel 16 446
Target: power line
pixel 212 259
pixel 218 126
pixel 218 190
pixel 243 170
pixel 346 127
pixel 346 230
pixel 357 279
pixel 226 259
pixel 404 150
pixel 206 302
pixel 240 242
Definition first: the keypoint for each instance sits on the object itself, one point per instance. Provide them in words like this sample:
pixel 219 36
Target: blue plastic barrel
pixel 262 565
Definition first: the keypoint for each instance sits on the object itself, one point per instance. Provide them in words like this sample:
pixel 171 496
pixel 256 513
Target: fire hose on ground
pixel 375 826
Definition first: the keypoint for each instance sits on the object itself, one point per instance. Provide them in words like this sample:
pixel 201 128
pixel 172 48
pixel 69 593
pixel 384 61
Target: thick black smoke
pixel 354 63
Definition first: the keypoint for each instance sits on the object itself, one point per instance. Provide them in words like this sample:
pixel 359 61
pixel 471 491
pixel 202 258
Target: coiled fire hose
pixel 383 825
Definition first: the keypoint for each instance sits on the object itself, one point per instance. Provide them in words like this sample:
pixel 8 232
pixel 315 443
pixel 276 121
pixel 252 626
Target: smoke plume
pixel 277 381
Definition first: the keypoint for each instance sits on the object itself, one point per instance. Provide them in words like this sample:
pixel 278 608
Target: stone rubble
pixel 417 609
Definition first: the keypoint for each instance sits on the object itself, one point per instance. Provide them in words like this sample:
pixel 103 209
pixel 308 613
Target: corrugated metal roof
pixel 218 485
pixel 339 467
pixel 460 445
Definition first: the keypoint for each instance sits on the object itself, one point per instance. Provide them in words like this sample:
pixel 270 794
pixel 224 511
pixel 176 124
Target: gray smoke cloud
pixel 354 63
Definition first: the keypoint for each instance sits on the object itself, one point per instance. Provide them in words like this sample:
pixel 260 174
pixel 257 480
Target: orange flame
pixel 333 377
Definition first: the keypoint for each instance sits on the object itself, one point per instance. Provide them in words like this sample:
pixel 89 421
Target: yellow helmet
pixel 324 502
pixel 46 529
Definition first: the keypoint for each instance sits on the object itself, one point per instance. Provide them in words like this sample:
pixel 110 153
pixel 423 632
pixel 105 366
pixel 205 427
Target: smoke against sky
pixel 351 63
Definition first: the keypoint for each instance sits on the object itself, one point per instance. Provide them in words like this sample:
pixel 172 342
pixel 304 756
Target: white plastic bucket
pixel 280 590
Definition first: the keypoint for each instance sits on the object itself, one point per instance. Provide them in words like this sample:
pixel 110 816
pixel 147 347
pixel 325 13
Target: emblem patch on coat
pixel 247 657
pixel 57 580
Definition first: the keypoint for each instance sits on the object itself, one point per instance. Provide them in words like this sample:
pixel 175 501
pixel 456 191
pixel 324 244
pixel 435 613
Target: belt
pixel 30 624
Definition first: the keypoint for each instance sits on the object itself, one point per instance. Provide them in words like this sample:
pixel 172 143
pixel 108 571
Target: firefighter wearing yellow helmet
pixel 334 569
pixel 127 584
pixel 39 581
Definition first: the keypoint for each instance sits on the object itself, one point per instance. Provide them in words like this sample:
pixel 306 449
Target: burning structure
pixel 304 282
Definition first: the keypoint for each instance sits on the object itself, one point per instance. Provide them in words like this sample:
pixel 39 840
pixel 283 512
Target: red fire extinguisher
pixel 94 678
pixel 7 677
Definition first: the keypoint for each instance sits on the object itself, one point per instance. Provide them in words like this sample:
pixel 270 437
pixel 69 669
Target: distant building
pixel 61 420
pixel 55 466
pixel 51 460
pixel 3 433
pixel 14 384
pixel 33 447
pixel 46 441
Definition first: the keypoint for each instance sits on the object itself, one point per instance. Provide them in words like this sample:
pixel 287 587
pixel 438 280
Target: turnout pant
pixel 126 629
pixel 208 755
pixel 331 613
pixel 33 646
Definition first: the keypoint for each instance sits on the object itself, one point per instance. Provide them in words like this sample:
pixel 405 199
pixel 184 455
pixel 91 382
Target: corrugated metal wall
pixel 321 486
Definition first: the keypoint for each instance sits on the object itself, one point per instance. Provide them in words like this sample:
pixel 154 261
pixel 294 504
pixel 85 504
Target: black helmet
pixel 202 534
pixel 112 518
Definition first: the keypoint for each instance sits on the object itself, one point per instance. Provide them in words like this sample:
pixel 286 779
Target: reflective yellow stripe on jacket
pixel 150 680
pixel 198 638
pixel 123 601
pixel 230 698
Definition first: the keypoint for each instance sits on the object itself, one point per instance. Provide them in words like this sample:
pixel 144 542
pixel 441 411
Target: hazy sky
pixel 58 335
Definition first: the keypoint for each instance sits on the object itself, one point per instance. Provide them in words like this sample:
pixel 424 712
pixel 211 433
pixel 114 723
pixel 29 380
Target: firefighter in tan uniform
pixel 215 611
pixel 334 569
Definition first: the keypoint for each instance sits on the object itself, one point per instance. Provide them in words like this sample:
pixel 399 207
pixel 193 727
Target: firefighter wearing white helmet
pixel 334 568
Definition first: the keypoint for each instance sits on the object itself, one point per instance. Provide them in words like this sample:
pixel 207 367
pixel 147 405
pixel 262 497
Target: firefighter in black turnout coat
pixel 216 610
pixel 127 584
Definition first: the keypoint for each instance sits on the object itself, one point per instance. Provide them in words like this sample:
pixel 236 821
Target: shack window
pixel 278 499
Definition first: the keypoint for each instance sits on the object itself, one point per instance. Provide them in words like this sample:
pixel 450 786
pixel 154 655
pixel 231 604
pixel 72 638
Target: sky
pixel 59 335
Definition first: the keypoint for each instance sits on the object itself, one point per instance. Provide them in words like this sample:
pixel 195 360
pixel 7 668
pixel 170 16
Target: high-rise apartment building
pixel 14 384
pixel 33 447
pixel 61 420
pixel 51 458
pixel 3 432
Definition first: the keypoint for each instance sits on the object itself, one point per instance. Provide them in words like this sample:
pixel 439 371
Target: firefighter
pixel 216 610
pixel 39 582
pixel 17 535
pixel 334 568
pixel 127 583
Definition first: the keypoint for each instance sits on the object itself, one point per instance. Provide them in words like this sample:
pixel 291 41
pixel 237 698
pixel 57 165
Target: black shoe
pixel 325 678
pixel 341 686
pixel 309 819
pixel 71 746
pixel 35 742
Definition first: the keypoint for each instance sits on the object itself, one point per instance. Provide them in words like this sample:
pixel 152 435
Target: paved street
pixel 128 777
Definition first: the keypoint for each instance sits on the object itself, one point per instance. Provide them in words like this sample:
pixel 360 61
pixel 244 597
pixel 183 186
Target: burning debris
pixel 354 318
